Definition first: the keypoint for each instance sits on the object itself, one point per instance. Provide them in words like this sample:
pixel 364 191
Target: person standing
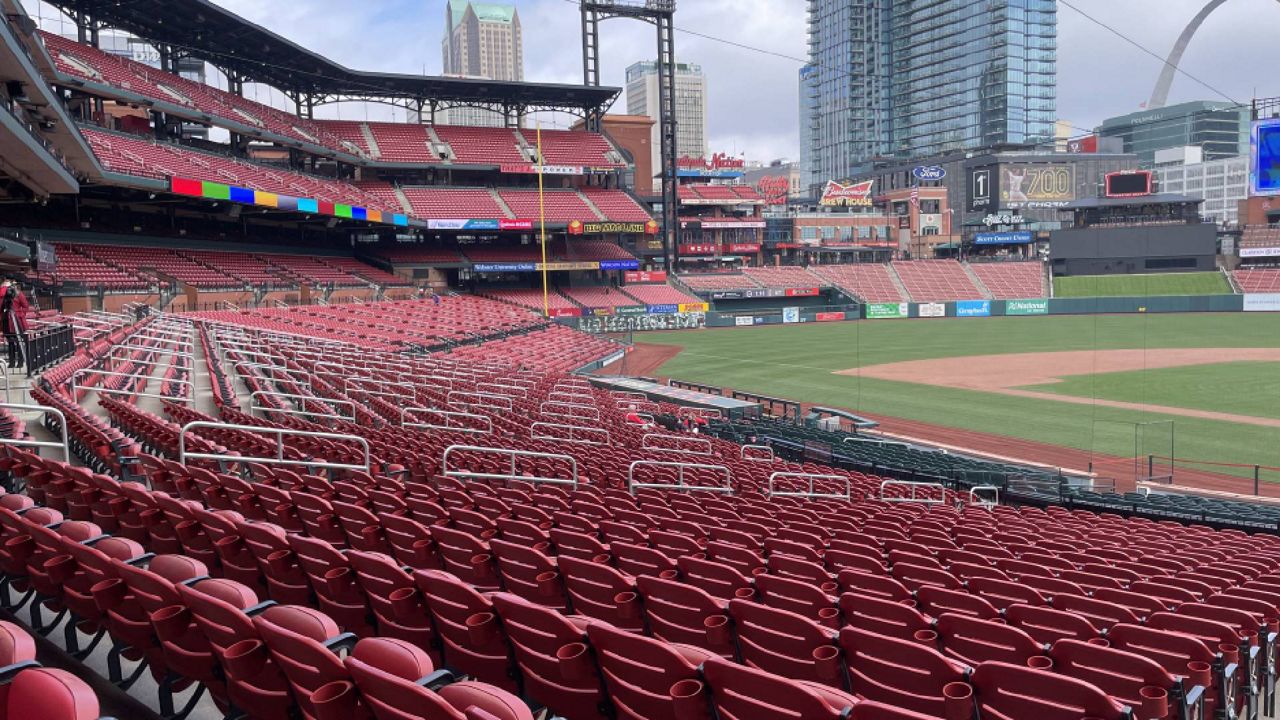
pixel 13 316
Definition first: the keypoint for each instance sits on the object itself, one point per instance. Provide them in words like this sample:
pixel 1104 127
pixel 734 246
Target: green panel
pixel 343 211
pixel 879 311
pixel 216 191
pixel 1026 307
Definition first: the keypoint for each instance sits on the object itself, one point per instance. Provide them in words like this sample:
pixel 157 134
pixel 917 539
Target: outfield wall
pixel 1000 308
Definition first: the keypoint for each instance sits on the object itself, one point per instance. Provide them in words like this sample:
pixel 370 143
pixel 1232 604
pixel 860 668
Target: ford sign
pixel 929 172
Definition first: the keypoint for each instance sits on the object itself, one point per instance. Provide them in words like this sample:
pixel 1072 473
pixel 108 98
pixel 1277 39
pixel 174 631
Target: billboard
pixel 1262 302
pixel 973 308
pixel 885 311
pixel 1026 307
pixel 982 189
pixel 1133 183
pixel 774 189
pixel 1031 186
pixel 1086 144
pixel 849 194
pixel 1015 237
pixel 1264 157
pixel 933 310
pixel 718 165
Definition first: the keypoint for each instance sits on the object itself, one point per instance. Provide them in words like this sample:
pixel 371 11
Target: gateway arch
pixel 1160 94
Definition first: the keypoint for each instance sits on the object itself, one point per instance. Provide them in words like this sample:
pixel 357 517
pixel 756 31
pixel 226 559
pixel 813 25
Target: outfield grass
pixel 1241 388
pixel 1201 283
pixel 797 361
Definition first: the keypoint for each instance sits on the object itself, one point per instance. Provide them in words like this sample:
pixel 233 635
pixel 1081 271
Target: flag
pixel 915 196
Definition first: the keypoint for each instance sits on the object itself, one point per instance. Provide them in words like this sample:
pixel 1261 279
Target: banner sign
pixel 774 189
pixel 655 309
pixel 464 224
pixel 730 224
pixel 581 265
pixel 578 227
pixel 858 194
pixel 644 276
pixel 505 267
pixel 801 292
pixel 698 249
pixel 631 310
pixel 515 224
pixel 743 247
pixel 790 315
pixel 1019 237
pixel 973 308
pixel 1026 307
pixel 828 316
pixel 933 310
pixel 1262 302
pixel 693 307
pixel 619 264
pixel 885 311
pixel 929 172
pixel 249 196
pixel 529 168
pixel 718 165
pixel 744 320
pixel 1254 252
pixel 726 295
pixel 598 311
pixel 566 312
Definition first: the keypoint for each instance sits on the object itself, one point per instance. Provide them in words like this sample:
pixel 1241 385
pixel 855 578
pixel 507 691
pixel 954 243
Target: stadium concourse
pixel 268 513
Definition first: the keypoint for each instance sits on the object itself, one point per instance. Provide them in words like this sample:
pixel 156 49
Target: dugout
pixel 1130 236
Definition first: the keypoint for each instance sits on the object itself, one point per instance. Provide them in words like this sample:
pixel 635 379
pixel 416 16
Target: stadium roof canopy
pixel 202 29
pixel 1156 199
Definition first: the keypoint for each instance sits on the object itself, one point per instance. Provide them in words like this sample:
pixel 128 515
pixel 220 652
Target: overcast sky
pixel 753 103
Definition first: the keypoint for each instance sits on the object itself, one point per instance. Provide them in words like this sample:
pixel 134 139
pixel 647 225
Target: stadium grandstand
pixel 308 437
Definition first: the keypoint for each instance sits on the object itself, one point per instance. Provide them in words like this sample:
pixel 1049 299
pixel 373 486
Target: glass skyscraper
pixel 915 78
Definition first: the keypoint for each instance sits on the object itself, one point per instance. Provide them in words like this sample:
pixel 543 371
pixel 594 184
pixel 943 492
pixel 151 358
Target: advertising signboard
pixel 933 310
pixel 885 311
pixel 1017 237
pixel 619 264
pixel 929 172
pixel 828 316
pixel 973 308
pixel 645 276
pixel 1262 302
pixel 847 194
pixel 1026 307
pixel 1255 252
pixel 577 227
pixel 790 315
pixel 982 192
pixel 1264 157
pixel 464 224
pixel 1037 186
pixel 742 320
pixel 504 267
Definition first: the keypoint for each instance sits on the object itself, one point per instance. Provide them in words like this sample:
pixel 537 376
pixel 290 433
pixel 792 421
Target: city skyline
pixel 753 97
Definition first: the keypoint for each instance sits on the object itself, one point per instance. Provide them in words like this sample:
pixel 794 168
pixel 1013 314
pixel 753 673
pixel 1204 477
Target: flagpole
pixel 542 225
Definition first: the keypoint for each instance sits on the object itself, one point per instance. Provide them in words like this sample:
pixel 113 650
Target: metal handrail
pixel 513 454
pixel 742 454
pixel 977 500
pixel 280 434
pixel 632 485
pixel 913 485
pixel 554 404
pixel 306 376
pixel 65 446
pixel 162 351
pixel 628 395
pixel 564 396
pixel 488 429
pixel 479 396
pixel 701 441
pixel 534 427
pixel 502 389
pixel 699 412
pixel 306 413
pixel 76 386
pixel 811 477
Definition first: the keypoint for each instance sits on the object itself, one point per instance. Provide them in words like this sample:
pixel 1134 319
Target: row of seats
pixel 1257 280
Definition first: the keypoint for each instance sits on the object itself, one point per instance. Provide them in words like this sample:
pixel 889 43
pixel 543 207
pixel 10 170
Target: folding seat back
pixel 530 574
pixel 92 565
pixel 579 545
pixel 410 541
pixel 361 527
pixel 613 531
pixel 884 617
pixel 395 682
pixel 936 600
pixel 253 680
pixel 1003 593
pixel 862 583
pixel 523 532
pixel 554 662
pixel 319 518
pixel 679 613
pixel 638 560
pixel 674 544
pixel 467 557
pixel 17 648
pixel 902 673
pixel 465 622
pixel 602 593
pixel 974 641
pixel 786 643
pixel 304 644
pixel 1179 654
pixel 745 561
pixel 743 693
pixel 1136 681
pixel 333 580
pixel 800 569
pixel 393 598
pixel 286 581
pixel 1013 692
pixel 648 679
pixel 716 579
pixel 797 596
pixel 48 693
pixel 1048 625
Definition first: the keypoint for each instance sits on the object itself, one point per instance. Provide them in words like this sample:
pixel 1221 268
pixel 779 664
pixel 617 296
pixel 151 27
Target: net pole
pixel 542 225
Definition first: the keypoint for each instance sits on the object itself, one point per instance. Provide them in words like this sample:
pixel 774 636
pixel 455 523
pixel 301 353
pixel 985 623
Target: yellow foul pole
pixel 542 226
